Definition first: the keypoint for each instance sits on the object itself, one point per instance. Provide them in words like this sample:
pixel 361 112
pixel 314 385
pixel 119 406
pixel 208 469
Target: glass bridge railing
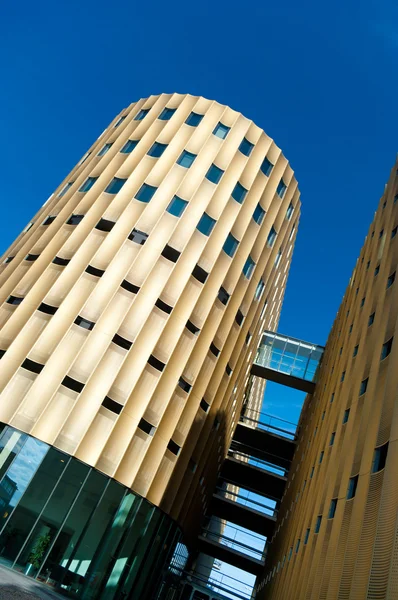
pixel 289 356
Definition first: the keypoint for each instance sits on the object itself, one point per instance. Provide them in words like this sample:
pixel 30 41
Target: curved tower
pixel 131 308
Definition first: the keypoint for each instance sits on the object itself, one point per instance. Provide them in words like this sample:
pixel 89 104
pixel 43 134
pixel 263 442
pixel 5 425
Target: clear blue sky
pixel 321 81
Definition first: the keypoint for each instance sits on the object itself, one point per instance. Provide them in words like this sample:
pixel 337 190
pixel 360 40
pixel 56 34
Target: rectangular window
pixel 88 184
pixel 129 146
pixel 239 193
pixel 271 237
pixel 396 199
pixel 177 206
pixel 186 159
pixel 278 258
pixel 342 376
pixel 214 174
pixel 248 267
pixel 221 131
pixel 48 220
pixel 352 487
pixel 145 193
pixel 307 535
pixel 364 386
pixel 371 319
pixel 298 545
pixel 318 524
pixel 391 280
pixel 74 219
pixel 266 167
pixel 323 415
pixel 321 457
pixel 368 265
pixel 355 352
pixel 137 236
pixel 230 245
pixel 332 398
pixel 381 233
pixel 386 349
pixel 194 119
pixel 166 114
pixel 332 509
pixel 379 458
pixel 289 211
pixel 259 289
pixel 258 214
pixel 119 121
pixel 346 415
pixel 312 472
pixel 281 189
pixel 377 269
pixel 223 296
pixel 141 114
pixel 246 147
pixel 206 224
pixel 104 149
pixel 115 185
pixel 157 149
pixel 65 189
pixel 332 437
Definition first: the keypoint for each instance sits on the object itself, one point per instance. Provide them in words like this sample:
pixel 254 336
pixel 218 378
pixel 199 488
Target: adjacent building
pixel 131 309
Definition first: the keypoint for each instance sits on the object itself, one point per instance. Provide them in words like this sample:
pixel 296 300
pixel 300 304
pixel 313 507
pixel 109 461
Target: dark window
pixel 355 352
pixel 312 472
pixel 346 415
pixel 32 257
pixel 281 189
pixel 74 219
pixel 368 265
pixel 289 211
pixel 395 198
pixel 166 114
pixel 61 261
pixel 105 225
pixel 65 189
pixel 137 236
pixel 176 206
pixel 271 237
pixel 352 487
pixel 362 302
pixel 170 253
pixel 332 509
pixel 371 319
pixel 248 337
pixel 49 220
pixel 194 119
pixel 157 150
pixel 259 289
pixel 364 385
pixel 192 465
pixel 204 405
pixel 246 147
pixel 239 317
pixel 46 308
pixel 350 330
pixel 394 232
pixel 384 204
pixel 72 384
pixel 186 159
pixel 372 234
pixel 121 341
pixel 332 437
pixel 146 427
pixel 145 193
pixel 318 524
pixel 321 457
pixel 379 458
pixel 115 185
pixel 391 280
pixel 130 287
pixel 156 363
pixel 88 184
pixel 184 385
pixel 32 365
pixel 129 146
pixel 221 130
pixel 173 447
pixel 228 370
pixel 377 269
pixel 14 300
pixel 323 415
pixel 298 545
pixel 239 193
pixel 141 114
pixel 248 267
pixel 163 306
pixel 111 405
pixel 266 167
pixel 223 296
pixel 85 323
pixel 199 274
pixel 214 350
pixel 307 535
pixel 278 258
pixel 342 376
pixel 214 174
pixel 381 233
pixel 290 553
pixel 258 214
pixel 191 327
pixel 386 349
pixel 104 149
pixel 119 121
pixel 205 224
pixel 10 258
pixel 230 245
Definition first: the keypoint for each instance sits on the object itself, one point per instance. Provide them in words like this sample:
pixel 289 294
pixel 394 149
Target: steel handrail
pixel 274 510
pixel 233 542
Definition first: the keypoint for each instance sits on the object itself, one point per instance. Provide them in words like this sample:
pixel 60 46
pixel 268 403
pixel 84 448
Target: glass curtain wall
pixel 67 525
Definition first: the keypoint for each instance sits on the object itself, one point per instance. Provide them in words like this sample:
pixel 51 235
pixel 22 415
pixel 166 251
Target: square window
pixel 104 149
pixel 281 189
pixel 364 386
pixel 266 167
pixel 206 224
pixel 221 131
pixel 176 206
pixel 166 114
pixel 186 159
pixel 214 174
pixel 145 193
pixel 157 150
pixel 139 237
pixel 371 319
pixel 386 349
pixel 230 245
pixel 239 193
pixel 258 214
pixel 194 119
pixel 141 114
pixel 129 146
pixel 246 147
pixel 115 185
pixel 88 184
pixel 248 267
pixel 271 237
pixel 391 280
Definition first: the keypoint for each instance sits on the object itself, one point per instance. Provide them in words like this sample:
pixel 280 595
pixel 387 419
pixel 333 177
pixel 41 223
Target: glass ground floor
pixel 75 529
